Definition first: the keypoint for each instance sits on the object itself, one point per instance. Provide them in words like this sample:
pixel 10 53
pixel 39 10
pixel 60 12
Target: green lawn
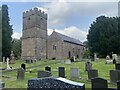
pixel 12 82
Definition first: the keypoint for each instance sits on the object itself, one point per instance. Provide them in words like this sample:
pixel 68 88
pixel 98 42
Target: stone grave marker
pixel 117 66
pixel 42 74
pixel 88 66
pixel 20 74
pixel 8 67
pixel 99 83
pixel 67 61
pixel 114 75
pixel 92 74
pixel 23 66
pixel 12 58
pixel 118 61
pixel 47 68
pixel 74 58
pixel 75 73
pixel 61 72
pixel 3 59
pixel 54 83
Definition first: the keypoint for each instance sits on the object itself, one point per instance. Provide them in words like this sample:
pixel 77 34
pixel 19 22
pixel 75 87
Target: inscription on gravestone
pixel 99 83
pixel 92 74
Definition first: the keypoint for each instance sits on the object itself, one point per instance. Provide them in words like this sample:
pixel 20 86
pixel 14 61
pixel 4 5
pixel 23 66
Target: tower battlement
pixel 35 11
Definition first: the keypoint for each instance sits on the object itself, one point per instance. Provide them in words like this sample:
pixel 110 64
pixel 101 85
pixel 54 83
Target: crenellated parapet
pixel 35 11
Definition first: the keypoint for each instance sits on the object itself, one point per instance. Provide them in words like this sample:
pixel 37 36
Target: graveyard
pixel 11 81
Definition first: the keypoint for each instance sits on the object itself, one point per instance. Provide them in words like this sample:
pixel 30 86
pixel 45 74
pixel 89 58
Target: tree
pixel 6 32
pixel 104 36
pixel 16 47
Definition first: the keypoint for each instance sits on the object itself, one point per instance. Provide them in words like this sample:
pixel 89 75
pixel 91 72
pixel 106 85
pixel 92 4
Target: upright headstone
pixel 88 66
pixel 12 58
pixel 99 84
pixel 8 67
pixel 47 68
pixel 61 72
pixel 54 83
pixel 20 74
pixel 3 59
pixel 23 66
pixel 117 66
pixel 74 58
pixel 75 73
pixel 95 56
pixel 92 74
pixel 114 75
pixel 107 57
pixel 118 61
pixel 118 85
pixel 2 85
pixel 68 61
pixel 42 74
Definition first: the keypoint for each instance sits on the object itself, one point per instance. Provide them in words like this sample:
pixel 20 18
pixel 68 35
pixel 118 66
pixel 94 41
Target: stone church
pixel 36 44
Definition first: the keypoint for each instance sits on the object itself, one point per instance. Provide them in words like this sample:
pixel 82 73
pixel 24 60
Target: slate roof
pixel 68 39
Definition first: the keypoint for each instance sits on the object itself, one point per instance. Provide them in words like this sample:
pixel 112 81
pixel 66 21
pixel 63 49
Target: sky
pixel 71 18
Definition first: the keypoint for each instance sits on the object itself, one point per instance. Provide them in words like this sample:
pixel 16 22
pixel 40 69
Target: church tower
pixel 34 39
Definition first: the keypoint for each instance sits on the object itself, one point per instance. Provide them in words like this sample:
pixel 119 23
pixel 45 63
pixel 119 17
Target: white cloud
pixel 59 12
pixel 17 35
pixel 72 31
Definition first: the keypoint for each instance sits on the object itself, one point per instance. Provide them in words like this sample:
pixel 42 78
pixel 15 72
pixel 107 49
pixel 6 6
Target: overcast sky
pixel 69 18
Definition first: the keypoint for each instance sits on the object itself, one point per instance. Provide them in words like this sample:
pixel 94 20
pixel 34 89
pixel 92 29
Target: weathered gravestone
pixel 47 68
pixel 61 72
pixel 114 75
pixel 54 84
pixel 20 74
pixel 117 66
pixel 88 66
pixel 12 58
pixel 75 73
pixel 92 74
pixel 118 61
pixel 68 61
pixel 99 84
pixel 42 74
pixel 23 66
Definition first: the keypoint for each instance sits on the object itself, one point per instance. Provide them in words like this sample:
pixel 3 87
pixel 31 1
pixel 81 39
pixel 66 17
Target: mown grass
pixel 102 68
